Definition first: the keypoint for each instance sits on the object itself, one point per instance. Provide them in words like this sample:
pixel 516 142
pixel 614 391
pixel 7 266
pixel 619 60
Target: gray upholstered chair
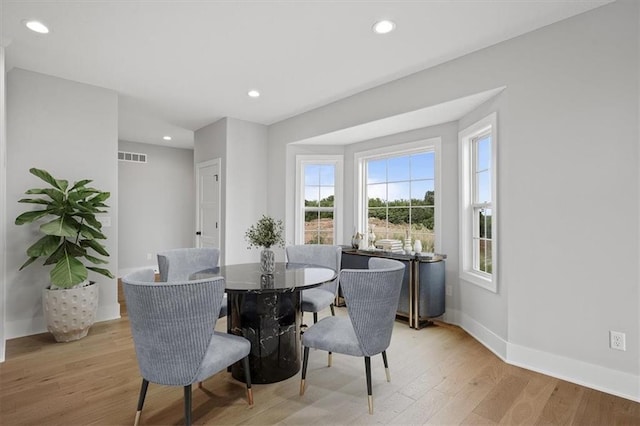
pixel 319 298
pixel 179 264
pixel 173 333
pixel 372 298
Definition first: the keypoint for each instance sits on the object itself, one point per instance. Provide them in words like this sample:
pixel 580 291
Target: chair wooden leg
pixel 367 370
pixel 187 405
pixel 143 394
pixel 305 360
pixel 247 378
pixel 315 317
pixel 333 310
pixel 386 365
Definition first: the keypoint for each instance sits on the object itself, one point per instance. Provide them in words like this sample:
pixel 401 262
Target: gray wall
pixel 156 204
pixel 71 130
pixel 241 147
pixel 568 187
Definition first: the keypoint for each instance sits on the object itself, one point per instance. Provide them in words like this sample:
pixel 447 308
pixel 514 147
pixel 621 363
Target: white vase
pixel 407 245
pixel 417 246
pixel 70 312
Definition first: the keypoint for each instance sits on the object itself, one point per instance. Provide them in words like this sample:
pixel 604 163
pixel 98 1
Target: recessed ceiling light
pixel 383 27
pixel 37 26
pixel 253 93
pixel 166 138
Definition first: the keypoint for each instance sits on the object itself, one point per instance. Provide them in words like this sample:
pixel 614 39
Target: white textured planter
pixel 70 312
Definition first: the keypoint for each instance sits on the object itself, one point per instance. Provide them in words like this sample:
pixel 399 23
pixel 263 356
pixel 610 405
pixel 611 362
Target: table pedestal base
pixel 270 321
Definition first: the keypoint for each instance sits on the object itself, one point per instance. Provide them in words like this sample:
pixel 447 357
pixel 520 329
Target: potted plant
pixel 71 238
pixel 265 233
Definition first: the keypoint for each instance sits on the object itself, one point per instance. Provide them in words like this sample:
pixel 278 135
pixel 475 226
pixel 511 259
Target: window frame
pixel 301 161
pixel 360 179
pixel 469 206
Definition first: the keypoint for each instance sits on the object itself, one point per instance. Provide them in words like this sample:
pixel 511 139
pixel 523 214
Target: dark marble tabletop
pixel 247 277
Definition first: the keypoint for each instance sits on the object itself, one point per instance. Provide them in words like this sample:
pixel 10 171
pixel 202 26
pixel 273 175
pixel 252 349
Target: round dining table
pixel 265 309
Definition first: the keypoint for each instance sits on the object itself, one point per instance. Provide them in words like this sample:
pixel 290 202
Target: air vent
pixel 134 157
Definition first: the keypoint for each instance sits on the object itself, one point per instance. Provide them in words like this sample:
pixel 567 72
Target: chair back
pixel 325 255
pixel 172 324
pixel 372 298
pixel 178 264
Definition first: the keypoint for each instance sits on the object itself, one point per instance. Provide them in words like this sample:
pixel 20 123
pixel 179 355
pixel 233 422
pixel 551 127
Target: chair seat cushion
pixel 224 349
pixel 316 299
pixel 333 334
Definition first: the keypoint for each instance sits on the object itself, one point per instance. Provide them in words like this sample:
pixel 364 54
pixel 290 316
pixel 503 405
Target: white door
pixel 208 208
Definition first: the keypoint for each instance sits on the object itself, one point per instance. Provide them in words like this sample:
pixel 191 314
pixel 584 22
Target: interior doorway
pixel 208 223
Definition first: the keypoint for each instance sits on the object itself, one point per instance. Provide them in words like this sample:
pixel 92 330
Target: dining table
pixel 266 310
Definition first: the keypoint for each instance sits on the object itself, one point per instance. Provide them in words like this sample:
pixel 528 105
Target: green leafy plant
pixel 72 234
pixel 265 233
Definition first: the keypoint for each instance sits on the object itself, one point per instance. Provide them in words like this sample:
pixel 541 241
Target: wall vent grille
pixel 133 157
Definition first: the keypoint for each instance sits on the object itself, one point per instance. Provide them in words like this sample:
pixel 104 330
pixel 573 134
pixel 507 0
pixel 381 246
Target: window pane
pixel 309 217
pixel 485 256
pixel 312 174
pixel 398 168
pixel 399 216
pixel 381 226
pixel 311 196
pixel 325 237
pixel 483 156
pixel 422 193
pixel 379 213
pixel 422 219
pixel 326 196
pixel 377 192
pixel 327 175
pixel 399 193
pixel 376 171
pixel 422 166
pixel 311 237
pixel 483 187
pixel 485 223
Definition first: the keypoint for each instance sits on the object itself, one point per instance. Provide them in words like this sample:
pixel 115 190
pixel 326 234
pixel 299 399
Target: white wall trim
pixel 619 383
pixel 482 334
pixel 430 144
pixel 465 137
pixel 337 160
pixel 624 385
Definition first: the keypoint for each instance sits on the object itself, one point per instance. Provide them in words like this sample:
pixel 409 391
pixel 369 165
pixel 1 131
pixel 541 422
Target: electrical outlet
pixel 449 290
pixel 149 256
pixel 617 340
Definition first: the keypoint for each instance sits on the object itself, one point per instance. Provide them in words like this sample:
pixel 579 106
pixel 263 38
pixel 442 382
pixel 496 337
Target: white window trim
pixel 301 161
pixel 360 179
pixel 466 271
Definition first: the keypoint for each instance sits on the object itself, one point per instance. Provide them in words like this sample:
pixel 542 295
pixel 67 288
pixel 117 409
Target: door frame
pixel 198 168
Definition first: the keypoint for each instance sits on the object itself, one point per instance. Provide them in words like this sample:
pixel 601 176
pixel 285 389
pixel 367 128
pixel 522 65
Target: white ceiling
pixel 180 65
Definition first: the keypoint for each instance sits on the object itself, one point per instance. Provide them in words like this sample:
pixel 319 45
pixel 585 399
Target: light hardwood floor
pixel 439 375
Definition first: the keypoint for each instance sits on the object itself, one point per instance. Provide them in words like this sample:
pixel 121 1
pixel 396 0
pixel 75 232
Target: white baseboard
pixel 488 338
pixel 36 325
pixel 624 385
pixel 619 383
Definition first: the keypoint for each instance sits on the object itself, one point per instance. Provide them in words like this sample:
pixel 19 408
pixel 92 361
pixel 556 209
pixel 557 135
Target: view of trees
pixel 390 220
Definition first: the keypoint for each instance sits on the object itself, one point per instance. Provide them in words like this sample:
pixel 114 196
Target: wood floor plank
pixel 561 407
pixel 439 375
pixel 527 407
pixel 501 398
